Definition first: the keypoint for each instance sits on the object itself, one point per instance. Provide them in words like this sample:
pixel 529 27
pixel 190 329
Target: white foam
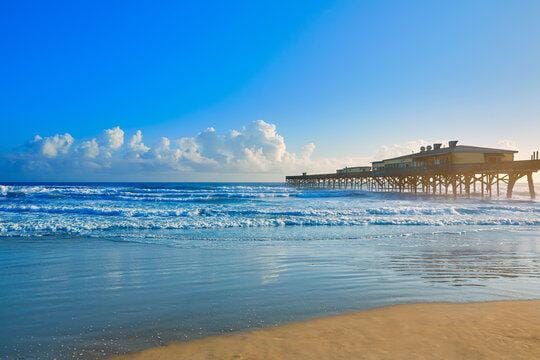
pixel 44 209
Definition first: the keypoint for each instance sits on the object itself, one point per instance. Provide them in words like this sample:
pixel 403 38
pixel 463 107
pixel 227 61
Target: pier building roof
pixel 452 149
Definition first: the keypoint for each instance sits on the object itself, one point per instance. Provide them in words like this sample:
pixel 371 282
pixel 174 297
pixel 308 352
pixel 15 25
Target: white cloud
pixel 90 149
pixel 54 145
pixel 136 144
pixel 115 137
pixel 165 143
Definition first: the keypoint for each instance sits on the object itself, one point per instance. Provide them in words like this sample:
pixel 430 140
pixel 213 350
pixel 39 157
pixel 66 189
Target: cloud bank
pixel 255 149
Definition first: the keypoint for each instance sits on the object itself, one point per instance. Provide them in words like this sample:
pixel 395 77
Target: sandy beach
pixel 488 330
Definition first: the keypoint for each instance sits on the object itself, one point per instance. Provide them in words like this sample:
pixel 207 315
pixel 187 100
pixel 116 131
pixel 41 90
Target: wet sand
pixel 488 330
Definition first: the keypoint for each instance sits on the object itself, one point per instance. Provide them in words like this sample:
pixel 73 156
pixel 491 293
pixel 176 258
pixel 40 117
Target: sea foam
pixel 44 209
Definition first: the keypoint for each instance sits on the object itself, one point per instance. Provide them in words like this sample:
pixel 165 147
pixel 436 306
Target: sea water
pixel 90 270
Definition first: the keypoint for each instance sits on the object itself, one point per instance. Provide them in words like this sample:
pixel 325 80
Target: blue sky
pixel 336 83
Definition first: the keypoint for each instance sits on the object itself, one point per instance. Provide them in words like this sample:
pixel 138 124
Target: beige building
pixel 453 154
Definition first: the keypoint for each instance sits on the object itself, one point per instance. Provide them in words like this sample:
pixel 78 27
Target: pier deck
pixel 483 179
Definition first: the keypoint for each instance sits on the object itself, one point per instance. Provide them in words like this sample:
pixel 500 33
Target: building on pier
pixel 453 154
pixel 454 169
pixel 353 170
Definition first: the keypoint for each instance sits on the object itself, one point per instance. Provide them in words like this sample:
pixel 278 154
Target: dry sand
pixel 490 330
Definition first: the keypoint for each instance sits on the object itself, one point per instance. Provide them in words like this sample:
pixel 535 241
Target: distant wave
pixel 73 226
pixel 215 211
pixel 145 194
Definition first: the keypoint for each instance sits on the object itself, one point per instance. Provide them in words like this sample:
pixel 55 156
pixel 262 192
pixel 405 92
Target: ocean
pixel 90 270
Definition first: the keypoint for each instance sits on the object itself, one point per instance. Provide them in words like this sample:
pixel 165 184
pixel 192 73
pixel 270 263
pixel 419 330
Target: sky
pixel 254 90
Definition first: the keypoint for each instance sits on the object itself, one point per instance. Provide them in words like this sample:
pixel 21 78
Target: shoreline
pixel 494 329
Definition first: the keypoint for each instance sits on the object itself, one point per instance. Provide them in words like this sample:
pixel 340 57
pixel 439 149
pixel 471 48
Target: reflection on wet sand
pixel 465 267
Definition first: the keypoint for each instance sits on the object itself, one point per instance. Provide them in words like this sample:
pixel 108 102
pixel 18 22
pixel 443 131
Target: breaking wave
pixel 29 209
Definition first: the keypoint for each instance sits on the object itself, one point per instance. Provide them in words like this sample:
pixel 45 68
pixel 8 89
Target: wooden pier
pixel 485 180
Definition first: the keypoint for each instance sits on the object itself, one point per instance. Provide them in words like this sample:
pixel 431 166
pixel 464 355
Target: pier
pixel 452 171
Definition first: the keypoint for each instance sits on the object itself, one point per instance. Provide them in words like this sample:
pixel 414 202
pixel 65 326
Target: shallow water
pixel 91 270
